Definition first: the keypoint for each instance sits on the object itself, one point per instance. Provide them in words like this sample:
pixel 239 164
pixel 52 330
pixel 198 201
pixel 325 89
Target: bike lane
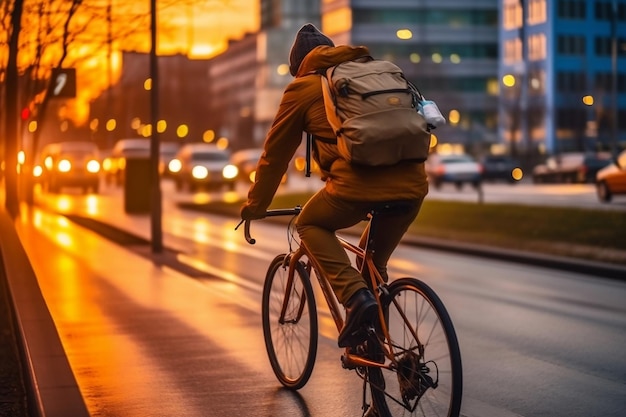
pixel 143 339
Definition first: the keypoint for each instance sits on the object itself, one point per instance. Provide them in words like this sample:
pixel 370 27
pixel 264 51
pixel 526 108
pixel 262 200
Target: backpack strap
pixel 330 103
pixel 310 143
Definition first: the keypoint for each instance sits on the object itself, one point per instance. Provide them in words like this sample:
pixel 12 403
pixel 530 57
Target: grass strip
pixel 592 234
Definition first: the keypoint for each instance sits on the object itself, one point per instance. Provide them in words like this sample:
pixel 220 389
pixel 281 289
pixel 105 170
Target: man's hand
pixel 248 214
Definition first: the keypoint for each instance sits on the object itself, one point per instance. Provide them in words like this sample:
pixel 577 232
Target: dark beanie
pixel 307 39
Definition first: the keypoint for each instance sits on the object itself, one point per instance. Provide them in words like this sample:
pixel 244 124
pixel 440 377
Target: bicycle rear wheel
pixel 428 381
pixel 291 342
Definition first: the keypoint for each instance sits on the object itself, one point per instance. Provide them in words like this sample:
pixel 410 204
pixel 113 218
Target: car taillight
pixel 440 170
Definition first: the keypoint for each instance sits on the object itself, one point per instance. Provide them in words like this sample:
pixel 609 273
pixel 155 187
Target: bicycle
pixel 410 357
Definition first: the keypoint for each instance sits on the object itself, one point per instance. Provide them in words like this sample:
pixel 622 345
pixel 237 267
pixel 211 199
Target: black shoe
pixel 361 308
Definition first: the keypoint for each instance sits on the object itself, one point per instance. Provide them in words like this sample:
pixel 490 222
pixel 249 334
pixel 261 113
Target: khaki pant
pixel 324 214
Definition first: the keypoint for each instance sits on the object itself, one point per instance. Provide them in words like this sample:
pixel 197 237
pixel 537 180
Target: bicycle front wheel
pixel 290 337
pixel 427 377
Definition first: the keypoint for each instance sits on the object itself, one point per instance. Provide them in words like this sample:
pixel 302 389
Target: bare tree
pixel 65 33
pixel 10 143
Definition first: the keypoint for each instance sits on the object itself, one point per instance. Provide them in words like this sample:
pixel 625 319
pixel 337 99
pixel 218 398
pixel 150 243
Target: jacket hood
pixel 324 56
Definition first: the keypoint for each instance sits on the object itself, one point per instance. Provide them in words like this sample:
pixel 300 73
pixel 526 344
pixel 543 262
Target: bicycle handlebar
pixel 269 213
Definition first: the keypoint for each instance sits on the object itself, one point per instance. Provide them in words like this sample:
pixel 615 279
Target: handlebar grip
pixel 246 233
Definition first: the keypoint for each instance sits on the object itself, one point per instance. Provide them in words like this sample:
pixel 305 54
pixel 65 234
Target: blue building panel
pixel 578 62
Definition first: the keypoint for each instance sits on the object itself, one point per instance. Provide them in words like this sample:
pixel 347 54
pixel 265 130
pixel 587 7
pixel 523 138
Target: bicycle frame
pixel 376 281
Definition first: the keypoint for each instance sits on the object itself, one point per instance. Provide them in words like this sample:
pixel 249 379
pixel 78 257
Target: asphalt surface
pixel 36 378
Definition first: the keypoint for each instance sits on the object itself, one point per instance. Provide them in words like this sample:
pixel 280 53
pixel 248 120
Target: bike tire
pixel 291 346
pixel 441 361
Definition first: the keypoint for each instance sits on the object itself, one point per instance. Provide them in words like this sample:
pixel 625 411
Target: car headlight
pixel 230 171
pixel 48 162
pixel 64 165
pixel 37 171
pixel 93 166
pixel 174 165
pixel 107 164
pixel 199 172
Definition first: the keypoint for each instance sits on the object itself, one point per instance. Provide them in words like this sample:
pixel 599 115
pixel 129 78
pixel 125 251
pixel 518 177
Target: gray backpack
pixel 373 110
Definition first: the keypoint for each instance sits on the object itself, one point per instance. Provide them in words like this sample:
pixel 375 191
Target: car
pixel 167 152
pixel 203 165
pixel 246 161
pixel 611 180
pixel 455 168
pixel 571 167
pixel 501 168
pixel 70 164
pixel 115 163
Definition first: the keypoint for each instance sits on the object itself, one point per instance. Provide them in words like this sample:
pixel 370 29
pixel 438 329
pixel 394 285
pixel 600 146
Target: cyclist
pixel 349 191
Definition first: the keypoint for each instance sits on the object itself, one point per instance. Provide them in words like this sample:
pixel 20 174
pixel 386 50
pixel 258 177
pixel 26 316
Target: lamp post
pixel 614 78
pixel 155 188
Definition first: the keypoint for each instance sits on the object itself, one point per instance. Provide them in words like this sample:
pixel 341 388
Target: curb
pixel 51 387
pixel 599 269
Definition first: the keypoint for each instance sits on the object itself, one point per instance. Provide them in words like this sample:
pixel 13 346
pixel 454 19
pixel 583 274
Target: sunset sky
pixel 203 29
pixel 196 28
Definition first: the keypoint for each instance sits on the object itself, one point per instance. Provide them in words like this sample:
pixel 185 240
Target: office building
pixel 563 74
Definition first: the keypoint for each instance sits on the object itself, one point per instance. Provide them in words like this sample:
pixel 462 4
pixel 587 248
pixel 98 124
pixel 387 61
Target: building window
pixel 537 47
pixel 537 12
pixel 570 82
pixel 467 17
pixel 512 51
pixel 572 9
pixel 603 46
pixel 571 45
pixel 604 10
pixel 603 82
pixel 512 15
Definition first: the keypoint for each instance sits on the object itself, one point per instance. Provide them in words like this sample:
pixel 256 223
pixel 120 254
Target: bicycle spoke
pixel 291 341
pixel 425 379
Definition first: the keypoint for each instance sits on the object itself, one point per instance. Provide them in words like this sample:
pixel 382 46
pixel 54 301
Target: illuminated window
pixel 337 21
pixel 537 12
pixel 537 47
pixel 512 14
pixel 512 51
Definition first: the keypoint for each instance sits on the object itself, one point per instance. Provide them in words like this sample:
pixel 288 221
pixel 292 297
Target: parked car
pixel 571 167
pixel 456 169
pixel 70 164
pixel 611 180
pixel 501 168
pixel 246 161
pixel 115 163
pixel 205 165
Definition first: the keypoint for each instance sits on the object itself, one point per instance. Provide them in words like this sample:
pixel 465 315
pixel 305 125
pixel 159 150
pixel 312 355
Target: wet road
pixel 147 340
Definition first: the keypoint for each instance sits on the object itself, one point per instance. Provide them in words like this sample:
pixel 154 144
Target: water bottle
pixel 431 113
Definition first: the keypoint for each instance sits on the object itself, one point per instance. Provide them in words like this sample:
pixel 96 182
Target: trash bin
pixel 137 186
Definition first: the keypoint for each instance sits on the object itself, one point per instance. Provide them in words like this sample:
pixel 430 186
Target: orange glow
pixel 197 29
pixel 337 21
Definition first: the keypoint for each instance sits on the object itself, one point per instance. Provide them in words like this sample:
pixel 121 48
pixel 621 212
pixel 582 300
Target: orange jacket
pixel 302 109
